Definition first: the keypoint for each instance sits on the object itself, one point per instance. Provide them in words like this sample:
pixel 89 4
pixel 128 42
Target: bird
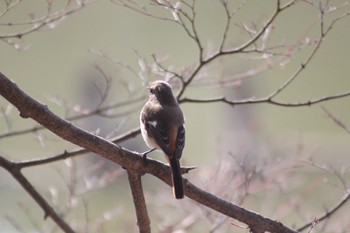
pixel 163 128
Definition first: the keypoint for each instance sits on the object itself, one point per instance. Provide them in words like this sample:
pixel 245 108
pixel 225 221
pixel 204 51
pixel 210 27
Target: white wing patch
pixel 153 123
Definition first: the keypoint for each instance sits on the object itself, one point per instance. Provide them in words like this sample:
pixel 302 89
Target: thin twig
pixel 236 50
pixel 329 213
pixel 266 100
pixel 66 154
pixel 46 20
pixel 227 26
pixel 336 120
pixel 99 111
pixel 323 34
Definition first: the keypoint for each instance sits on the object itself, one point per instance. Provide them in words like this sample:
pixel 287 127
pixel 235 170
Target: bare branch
pixel 65 154
pixel 227 26
pixel 99 111
pixel 329 213
pixel 256 222
pixel 184 14
pixel 266 100
pixel 28 107
pixel 48 210
pixel 143 221
pixel 9 6
pixel 244 46
pixel 269 22
pixel 46 20
pixel 269 99
pixel 323 34
pixel 336 120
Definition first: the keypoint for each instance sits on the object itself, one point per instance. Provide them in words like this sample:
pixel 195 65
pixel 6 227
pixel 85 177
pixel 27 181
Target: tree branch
pixel 39 23
pixel 66 154
pixel 266 100
pixel 99 111
pixel 328 214
pixel 28 107
pixel 337 121
pixel 256 222
pixel 143 221
pixel 220 52
pixel 14 170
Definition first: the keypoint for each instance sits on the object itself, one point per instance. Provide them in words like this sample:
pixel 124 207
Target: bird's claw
pixel 144 154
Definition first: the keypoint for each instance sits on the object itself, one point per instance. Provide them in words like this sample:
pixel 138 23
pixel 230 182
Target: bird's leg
pixel 144 154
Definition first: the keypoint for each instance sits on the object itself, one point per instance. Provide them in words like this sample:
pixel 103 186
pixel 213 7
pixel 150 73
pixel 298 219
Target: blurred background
pixel 287 163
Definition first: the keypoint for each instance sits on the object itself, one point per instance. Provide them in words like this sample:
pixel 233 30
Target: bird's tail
pixel 176 178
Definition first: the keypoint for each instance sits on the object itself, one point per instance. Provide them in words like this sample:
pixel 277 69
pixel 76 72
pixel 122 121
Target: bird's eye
pixel 151 90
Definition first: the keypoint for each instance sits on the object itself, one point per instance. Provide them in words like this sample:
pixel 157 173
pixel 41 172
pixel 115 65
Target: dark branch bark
pixel 143 221
pixel 256 222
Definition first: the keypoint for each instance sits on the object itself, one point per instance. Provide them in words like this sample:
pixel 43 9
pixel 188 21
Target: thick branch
pixel 139 201
pixel 256 222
